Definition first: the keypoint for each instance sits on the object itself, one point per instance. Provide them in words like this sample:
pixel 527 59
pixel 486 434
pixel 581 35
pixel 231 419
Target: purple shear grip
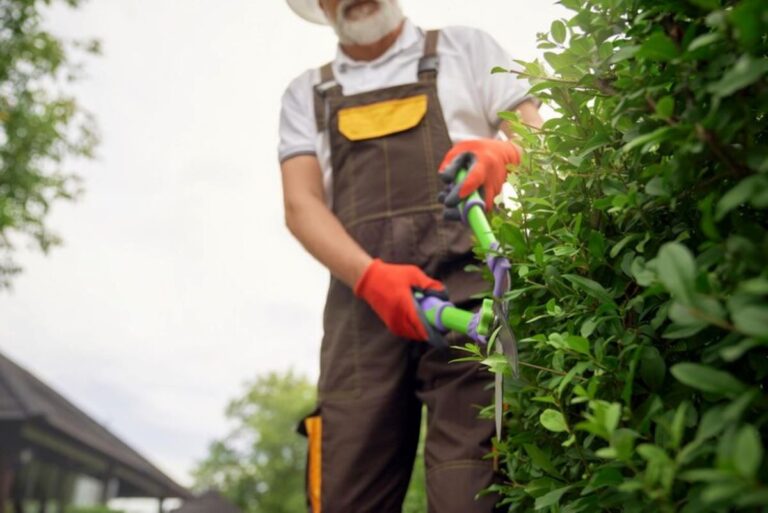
pixel 499 266
pixel 432 302
pixel 439 316
pixel 472 329
pixel 467 207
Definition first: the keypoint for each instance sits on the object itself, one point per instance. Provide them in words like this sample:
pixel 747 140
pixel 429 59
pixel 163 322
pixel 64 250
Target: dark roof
pixel 209 502
pixel 23 397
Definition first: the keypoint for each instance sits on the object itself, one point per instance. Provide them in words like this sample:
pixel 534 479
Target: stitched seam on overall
pixel 342 395
pixel 458 464
pixel 347 398
pixel 358 342
pixel 389 240
pixel 436 207
pixel 432 170
pixel 348 214
pixel 354 390
pixel 414 238
pixel 352 188
pixel 387 175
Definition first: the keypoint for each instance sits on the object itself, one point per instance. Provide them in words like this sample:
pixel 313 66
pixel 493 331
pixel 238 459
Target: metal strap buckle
pixel 324 87
pixel 429 63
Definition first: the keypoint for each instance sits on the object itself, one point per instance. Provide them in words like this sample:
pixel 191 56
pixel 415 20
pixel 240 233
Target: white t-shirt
pixel 471 97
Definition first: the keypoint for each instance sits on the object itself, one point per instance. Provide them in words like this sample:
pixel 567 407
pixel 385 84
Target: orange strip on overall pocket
pixel 383 118
pixel 314 427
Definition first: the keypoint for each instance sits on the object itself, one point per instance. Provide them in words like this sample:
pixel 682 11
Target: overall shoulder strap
pixel 326 88
pixel 429 64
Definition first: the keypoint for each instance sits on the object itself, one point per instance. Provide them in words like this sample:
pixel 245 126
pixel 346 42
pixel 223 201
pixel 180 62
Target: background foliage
pixel 416 497
pixel 640 252
pixel 94 509
pixel 40 127
pixel 260 464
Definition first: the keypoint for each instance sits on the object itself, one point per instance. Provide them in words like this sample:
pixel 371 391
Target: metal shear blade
pixel 506 338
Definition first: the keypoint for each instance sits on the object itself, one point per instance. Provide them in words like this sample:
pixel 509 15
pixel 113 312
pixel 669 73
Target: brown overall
pixel 386 146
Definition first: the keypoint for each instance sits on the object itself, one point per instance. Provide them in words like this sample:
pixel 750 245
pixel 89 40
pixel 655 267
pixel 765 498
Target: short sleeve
pixel 499 91
pixel 298 133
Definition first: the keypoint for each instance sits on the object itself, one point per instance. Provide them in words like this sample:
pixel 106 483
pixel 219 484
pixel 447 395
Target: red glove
pixel 486 163
pixel 389 288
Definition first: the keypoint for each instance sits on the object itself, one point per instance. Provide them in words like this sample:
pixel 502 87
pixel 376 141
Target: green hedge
pixel 640 264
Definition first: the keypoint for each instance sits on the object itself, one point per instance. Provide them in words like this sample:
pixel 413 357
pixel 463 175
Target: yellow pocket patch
pixel 384 118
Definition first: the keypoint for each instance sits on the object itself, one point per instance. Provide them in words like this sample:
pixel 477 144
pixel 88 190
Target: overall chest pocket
pixel 382 118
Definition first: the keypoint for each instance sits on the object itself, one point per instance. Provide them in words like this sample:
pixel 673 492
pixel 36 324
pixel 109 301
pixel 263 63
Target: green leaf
pixel 626 52
pixel 701 311
pixel 588 327
pixel 733 353
pixel 591 287
pixel 675 331
pixel 658 47
pixel 512 235
pixel 497 363
pixel 677 428
pixel 748 19
pixel 551 498
pixel 704 40
pixel 612 417
pixel 540 459
pixel 745 72
pixel 623 443
pixel 653 368
pixel 752 320
pixel 553 420
pixel 706 4
pixel 596 244
pixel 558 31
pixel 707 379
pixel 605 477
pixel 753 498
pixel 756 286
pixel 656 136
pixel 707 475
pixel 712 422
pixel 740 194
pixel 684 315
pixel 677 271
pixel 749 451
pixel 653 453
pixel 657 187
pixel 578 344
pixel 722 492
pixel 616 249
pixel 716 418
pixel 665 107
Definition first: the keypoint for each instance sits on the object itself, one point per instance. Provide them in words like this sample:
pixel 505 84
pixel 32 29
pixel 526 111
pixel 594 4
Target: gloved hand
pixel 486 163
pixel 389 289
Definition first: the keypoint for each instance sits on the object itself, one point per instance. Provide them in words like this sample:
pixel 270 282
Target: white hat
pixel 309 10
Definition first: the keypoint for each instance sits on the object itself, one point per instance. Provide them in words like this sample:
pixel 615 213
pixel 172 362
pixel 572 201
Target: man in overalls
pixel 361 142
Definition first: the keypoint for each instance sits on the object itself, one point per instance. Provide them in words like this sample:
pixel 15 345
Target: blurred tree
pixel 92 509
pixel 40 126
pixel 416 498
pixel 259 465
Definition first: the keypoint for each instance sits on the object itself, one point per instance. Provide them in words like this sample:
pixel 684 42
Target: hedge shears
pixel 490 323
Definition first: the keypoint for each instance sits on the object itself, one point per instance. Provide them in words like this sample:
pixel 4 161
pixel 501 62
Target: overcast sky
pixel 178 281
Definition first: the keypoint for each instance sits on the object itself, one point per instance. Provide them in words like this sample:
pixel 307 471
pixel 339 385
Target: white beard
pixel 369 29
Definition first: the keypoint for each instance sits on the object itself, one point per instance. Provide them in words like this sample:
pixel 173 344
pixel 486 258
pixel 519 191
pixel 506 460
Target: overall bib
pixel 386 146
